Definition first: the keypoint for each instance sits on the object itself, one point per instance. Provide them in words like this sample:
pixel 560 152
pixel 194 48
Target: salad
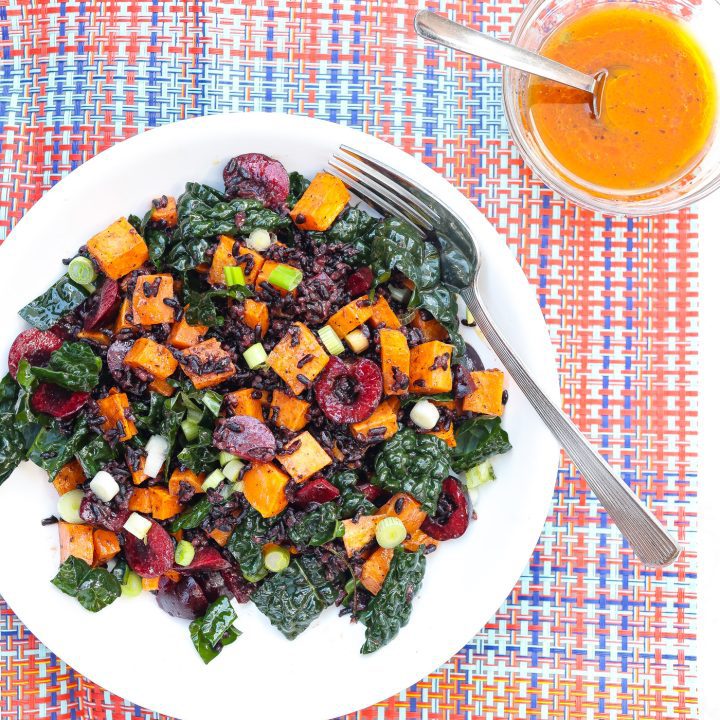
pixel 257 394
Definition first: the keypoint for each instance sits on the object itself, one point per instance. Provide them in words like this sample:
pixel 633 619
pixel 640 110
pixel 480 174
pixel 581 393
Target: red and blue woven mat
pixel 587 632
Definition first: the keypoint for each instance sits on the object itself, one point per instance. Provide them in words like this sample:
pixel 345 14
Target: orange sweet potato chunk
pixel 118 249
pixel 124 319
pixel 430 370
pixel 384 417
pixel 151 357
pixel 183 335
pixel 354 314
pixel 394 361
pixel 247 401
pixel 69 477
pixel 163 503
pixel 417 539
pixel 149 297
pixel 264 487
pixel 106 546
pixel 162 386
pixel 76 540
pixel 207 364
pixel 359 533
pixel 257 315
pixel 164 210
pixel 375 569
pixel 321 203
pixel 307 457
pixel 289 412
pixel 297 344
pixel 430 328
pixel 113 408
pixel 220 536
pixel 94 336
pixel 486 399
pixel 223 257
pixel 189 478
pixel 141 501
pixel 448 435
pixel 405 507
pixel 383 315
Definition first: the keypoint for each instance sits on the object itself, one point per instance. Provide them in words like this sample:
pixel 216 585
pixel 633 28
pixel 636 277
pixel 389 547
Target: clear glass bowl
pixel 538 20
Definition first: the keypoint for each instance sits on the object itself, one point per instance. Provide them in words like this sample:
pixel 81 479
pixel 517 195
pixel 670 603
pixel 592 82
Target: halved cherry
pixel 35 346
pixel 246 437
pixel 318 491
pixel 103 305
pixel 254 175
pixel 56 401
pixel 349 393
pixel 150 557
pixel 182 599
pixel 205 559
pixel 452 517
pixel 360 281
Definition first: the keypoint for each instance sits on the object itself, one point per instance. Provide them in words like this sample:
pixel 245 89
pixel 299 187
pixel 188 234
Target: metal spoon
pixel 439 29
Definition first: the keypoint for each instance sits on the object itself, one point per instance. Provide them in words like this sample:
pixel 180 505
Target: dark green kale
pixel 199 457
pixel 478 439
pixel 59 300
pixel 202 308
pixel 53 447
pixel 94 588
pixel 412 398
pixel 12 445
pixel 74 366
pixel 195 514
pixel 161 416
pixel 316 527
pixel 26 419
pixel 390 609
pixel 158 240
pixel 352 500
pixel 9 390
pixel 354 228
pixel 293 598
pixel 413 463
pixel 298 185
pixel 94 455
pixel 214 631
pixel 246 543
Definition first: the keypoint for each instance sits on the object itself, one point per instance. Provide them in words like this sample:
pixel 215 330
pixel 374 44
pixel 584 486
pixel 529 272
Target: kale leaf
pixel 352 500
pixel 94 456
pixel 390 609
pixel 293 598
pixel 354 228
pixel 74 366
pixel 94 588
pixel 12 446
pixel 202 310
pixel 53 447
pixel 59 300
pixel 415 464
pixel 246 542
pixel 298 185
pixel 9 390
pixel 198 458
pixel 317 526
pixel 157 240
pixel 214 631
pixel 194 515
pixel 478 439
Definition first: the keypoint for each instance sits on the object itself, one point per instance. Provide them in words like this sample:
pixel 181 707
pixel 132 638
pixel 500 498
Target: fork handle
pixel 647 537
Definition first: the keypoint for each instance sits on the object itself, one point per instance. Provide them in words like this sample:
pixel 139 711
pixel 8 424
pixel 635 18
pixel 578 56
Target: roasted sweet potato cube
pixel 383 315
pixel 352 315
pixel 487 396
pixel 360 533
pixel 150 584
pixel 295 348
pixel 124 319
pixel 118 249
pixel 94 336
pixel 375 569
pixel 182 481
pixel 106 546
pixel 220 536
pixel 161 386
pixel 76 540
pixel 321 203
pixel 394 361
pixel 289 412
pixel 264 275
pixel 183 335
pixel 149 307
pixel 136 465
pixel 151 357
pixel 405 507
pixel 381 425
pixel 248 401
pixel 141 501
pixel 207 364
pixel 257 315
pixel 264 487
pixel 418 539
pixel 164 504
pixel 164 210
pixel 430 370
pixel 69 477
pixel 113 408
pixel 430 328
pixel 448 435
pixel 303 456
pixel 223 257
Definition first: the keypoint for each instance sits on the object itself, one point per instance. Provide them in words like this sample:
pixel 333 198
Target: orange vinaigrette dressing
pixel 658 107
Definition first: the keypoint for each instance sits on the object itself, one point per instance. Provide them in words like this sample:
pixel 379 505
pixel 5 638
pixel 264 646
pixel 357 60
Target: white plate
pixel 133 648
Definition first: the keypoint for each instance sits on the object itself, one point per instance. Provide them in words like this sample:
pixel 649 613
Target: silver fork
pixel 392 193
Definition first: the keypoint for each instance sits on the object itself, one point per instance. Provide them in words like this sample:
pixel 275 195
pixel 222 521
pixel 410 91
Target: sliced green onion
pixel 479 475
pixel 256 578
pixel 138 526
pixel 69 506
pixel 232 470
pixel 330 340
pixel 276 558
pixel 213 480
pixel 357 341
pixel 285 277
pixel 194 415
pixel 255 356
pixel 212 401
pixel 184 553
pixel 226 457
pixel 132 586
pixel 234 275
pixel 238 487
pixel 390 532
pixel 469 319
pixel 401 294
pixel 259 240
pixel 190 429
pixel 81 270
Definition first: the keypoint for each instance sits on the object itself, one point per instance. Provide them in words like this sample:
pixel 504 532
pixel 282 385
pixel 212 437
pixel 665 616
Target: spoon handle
pixel 439 29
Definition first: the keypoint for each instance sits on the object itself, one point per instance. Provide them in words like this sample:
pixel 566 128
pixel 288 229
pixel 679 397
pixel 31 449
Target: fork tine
pixel 395 181
pixel 357 184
